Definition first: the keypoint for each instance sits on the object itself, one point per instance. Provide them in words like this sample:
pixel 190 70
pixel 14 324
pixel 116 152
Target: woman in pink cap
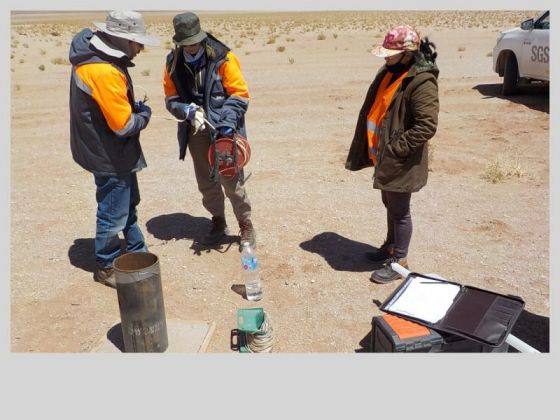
pixel 398 117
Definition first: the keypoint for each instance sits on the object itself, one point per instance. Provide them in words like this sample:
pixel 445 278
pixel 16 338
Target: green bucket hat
pixel 187 29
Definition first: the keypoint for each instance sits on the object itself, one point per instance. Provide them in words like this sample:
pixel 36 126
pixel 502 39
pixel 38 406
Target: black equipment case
pixel 393 334
pixel 475 314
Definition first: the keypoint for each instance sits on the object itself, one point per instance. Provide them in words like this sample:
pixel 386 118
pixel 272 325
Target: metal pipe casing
pixel 139 291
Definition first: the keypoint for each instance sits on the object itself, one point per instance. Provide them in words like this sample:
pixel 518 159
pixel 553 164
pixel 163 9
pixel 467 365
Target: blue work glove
pixel 225 132
pixel 189 110
pixel 142 109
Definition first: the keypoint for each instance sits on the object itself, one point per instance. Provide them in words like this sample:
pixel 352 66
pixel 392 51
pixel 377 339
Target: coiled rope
pixel 261 341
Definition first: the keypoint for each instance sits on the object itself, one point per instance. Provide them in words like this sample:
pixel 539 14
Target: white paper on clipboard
pixel 424 299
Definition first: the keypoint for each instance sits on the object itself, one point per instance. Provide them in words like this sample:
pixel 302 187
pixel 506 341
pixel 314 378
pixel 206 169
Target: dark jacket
pixel 221 109
pixel 411 120
pixel 96 146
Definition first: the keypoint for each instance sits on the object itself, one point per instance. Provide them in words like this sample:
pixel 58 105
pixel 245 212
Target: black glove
pixel 143 110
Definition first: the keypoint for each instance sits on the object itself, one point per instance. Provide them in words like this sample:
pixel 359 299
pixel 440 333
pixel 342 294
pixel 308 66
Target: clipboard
pixel 477 314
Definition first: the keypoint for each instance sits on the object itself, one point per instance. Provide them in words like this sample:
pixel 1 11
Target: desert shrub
pixel 145 72
pixel 461 49
pixel 291 60
pixel 321 36
pixel 55 33
pixel 280 48
pixel 41 67
pixel 489 54
pixel 42 51
pixel 501 168
pixel 335 36
pixel 25 45
pixel 21 61
pixel 60 60
pixel 271 40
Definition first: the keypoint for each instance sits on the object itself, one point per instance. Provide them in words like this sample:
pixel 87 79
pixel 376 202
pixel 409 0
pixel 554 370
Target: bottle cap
pixel 246 243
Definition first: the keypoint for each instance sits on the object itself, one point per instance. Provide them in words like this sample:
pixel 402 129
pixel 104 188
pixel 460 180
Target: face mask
pixel 400 66
pixel 192 58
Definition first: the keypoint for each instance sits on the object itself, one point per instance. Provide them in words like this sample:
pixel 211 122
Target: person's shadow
pixel 534 330
pixel 82 254
pixel 176 226
pixel 341 253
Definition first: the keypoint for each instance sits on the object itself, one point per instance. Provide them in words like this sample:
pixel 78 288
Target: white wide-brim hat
pixel 128 25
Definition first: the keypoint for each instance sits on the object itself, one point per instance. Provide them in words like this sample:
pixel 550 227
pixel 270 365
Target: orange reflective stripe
pixel 377 112
pixel 169 88
pixel 232 79
pixel 108 89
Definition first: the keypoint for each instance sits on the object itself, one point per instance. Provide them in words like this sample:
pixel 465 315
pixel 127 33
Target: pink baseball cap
pixel 400 38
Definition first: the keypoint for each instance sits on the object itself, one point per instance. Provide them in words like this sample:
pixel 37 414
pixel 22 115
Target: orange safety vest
pixel 383 98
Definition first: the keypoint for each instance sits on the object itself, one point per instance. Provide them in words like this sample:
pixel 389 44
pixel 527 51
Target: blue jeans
pixel 117 198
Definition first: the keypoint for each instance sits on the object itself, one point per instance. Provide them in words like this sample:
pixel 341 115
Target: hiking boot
pixel 380 254
pixel 218 231
pixel 247 234
pixel 387 274
pixel 105 276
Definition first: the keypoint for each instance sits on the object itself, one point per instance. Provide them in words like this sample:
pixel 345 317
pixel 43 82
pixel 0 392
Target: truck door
pixel 536 51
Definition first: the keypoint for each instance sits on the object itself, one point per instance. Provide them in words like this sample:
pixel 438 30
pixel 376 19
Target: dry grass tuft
pixel 503 167
pixel 60 60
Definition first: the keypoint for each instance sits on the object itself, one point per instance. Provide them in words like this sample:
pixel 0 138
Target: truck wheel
pixel 511 76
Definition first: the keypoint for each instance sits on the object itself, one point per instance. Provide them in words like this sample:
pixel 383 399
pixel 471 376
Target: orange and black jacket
pixel 104 129
pixel 223 92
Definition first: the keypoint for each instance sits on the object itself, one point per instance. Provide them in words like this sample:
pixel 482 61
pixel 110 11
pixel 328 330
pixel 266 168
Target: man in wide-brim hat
pixel 202 73
pixel 105 125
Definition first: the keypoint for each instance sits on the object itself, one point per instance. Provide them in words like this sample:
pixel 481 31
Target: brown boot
pixel 247 234
pixel 105 276
pixel 218 231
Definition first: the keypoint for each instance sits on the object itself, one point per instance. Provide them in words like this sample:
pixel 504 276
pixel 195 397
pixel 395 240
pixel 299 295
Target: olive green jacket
pixel 411 120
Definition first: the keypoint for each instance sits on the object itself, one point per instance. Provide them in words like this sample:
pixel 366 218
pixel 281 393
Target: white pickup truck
pixel 523 54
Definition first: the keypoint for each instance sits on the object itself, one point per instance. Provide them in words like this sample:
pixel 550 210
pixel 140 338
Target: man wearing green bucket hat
pixel 203 74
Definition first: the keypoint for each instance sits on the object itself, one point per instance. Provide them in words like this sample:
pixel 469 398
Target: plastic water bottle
pixel 251 276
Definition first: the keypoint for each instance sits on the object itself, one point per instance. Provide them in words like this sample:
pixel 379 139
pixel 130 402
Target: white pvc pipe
pixel 522 346
pixel 512 340
pixel 400 269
